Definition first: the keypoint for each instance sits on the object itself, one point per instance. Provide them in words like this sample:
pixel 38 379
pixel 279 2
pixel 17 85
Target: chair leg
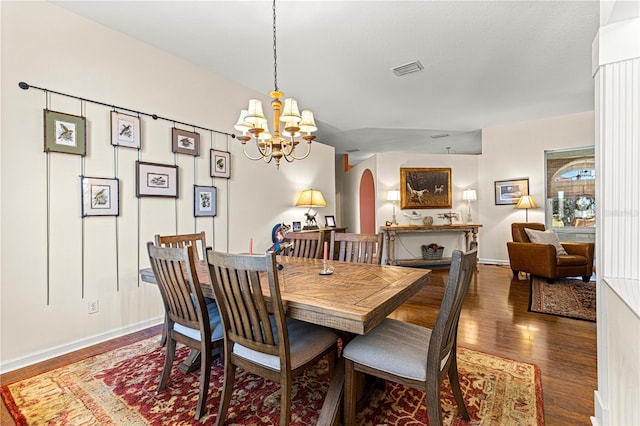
pixel 205 375
pixel 227 390
pixel 349 393
pixel 586 279
pixel 455 388
pixel 285 399
pixel 165 331
pixel 434 409
pixel 168 363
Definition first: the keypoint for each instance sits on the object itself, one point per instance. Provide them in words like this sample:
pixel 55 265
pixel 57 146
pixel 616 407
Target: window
pixel 570 201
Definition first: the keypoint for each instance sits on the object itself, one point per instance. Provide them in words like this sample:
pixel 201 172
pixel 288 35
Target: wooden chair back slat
pixel 184 240
pixel 356 248
pixel 305 244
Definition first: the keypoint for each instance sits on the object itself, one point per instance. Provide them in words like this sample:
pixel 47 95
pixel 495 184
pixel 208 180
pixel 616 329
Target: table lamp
pixel 469 195
pixel 526 202
pixel 393 196
pixel 311 198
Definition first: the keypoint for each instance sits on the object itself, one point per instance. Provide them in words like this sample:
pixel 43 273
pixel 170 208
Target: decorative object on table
pixel 414 215
pixel 116 382
pixel 330 221
pixel 311 198
pixel 326 269
pixel 252 120
pixel 64 133
pixel 566 297
pixel 125 130
pixel 100 196
pixel 297 227
pixel 427 220
pixel 526 202
pixel 393 196
pixel 220 164
pixel 205 200
pixel 185 142
pixel 469 195
pixel 450 217
pixel 279 237
pixel 432 251
pixel 425 188
pixel 156 180
pixel 510 191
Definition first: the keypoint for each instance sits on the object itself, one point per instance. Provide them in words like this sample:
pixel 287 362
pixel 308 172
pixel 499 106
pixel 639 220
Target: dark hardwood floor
pixel 494 320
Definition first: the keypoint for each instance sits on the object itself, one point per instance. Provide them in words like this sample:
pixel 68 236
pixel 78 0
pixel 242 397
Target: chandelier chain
pixel 275 55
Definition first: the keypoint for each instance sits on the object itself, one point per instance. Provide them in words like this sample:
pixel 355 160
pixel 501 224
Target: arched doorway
pixel 367 203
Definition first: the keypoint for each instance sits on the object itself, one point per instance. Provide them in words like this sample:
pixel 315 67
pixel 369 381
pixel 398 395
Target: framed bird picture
pixel 185 142
pixel 125 130
pixel 100 196
pixel 220 164
pixel 65 133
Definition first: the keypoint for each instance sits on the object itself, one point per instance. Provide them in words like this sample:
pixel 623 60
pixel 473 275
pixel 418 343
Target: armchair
pixel 542 260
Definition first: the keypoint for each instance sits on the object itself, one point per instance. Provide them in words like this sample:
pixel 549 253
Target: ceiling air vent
pixel 407 68
pixel 439 135
pixel 353 150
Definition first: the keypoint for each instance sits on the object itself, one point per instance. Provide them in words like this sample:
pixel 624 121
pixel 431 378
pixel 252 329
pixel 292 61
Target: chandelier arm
pixel 267 151
pixel 292 155
pixel 246 154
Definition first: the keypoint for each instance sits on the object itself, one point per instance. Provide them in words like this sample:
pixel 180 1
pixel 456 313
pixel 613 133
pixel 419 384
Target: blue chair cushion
pixel 214 320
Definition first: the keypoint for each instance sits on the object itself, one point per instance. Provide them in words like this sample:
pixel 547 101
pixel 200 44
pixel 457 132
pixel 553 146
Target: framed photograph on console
pixel 331 221
pixel 425 188
pixel 156 180
pixel 510 191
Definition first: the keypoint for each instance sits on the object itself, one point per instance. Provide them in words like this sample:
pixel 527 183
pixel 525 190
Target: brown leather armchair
pixel 541 259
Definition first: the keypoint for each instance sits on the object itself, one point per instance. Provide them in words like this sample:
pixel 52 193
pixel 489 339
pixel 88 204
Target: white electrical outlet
pixel 93 307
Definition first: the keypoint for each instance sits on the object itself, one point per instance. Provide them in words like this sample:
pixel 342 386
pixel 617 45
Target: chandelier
pixel 294 125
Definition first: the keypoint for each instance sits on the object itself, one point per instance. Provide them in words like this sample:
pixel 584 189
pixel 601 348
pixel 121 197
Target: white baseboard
pixel 16 363
pixel 601 416
pixel 493 261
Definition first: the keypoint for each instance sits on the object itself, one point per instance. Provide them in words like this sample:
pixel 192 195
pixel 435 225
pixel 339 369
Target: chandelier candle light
pixel 469 195
pixel 252 120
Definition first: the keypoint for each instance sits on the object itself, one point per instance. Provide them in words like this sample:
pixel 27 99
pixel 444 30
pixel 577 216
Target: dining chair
pixel 304 244
pixel 356 248
pixel 189 320
pixel 179 241
pixel 183 240
pixel 412 355
pixel 269 345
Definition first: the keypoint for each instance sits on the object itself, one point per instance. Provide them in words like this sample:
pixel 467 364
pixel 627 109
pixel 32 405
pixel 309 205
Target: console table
pixel 391 232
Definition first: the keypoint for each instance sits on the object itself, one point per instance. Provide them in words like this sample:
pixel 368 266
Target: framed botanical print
pixel 125 130
pixel 156 180
pixel 425 188
pixel 185 142
pixel 204 200
pixel 220 166
pixel 100 196
pixel 64 133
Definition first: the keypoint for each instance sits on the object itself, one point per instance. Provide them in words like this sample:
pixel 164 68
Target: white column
pixel 616 65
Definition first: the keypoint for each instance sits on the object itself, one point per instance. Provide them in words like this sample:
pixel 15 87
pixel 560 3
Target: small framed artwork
pixel 220 164
pixel 510 191
pixel 331 221
pixel 425 188
pixel 100 196
pixel 65 133
pixel 296 227
pixel 156 180
pixel 125 130
pixel 185 142
pixel 204 200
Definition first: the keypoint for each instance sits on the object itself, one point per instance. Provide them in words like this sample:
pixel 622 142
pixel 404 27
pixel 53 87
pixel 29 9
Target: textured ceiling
pixel 486 63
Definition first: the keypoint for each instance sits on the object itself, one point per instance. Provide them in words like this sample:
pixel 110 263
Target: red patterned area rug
pixel 565 297
pixel 119 387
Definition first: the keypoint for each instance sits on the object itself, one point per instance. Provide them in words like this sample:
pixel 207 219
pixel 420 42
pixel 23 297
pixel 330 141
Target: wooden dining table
pixel 354 298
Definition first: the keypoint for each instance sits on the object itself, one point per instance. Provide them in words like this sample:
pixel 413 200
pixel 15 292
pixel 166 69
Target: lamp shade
pixel 311 198
pixel 526 202
pixel 393 195
pixel 469 195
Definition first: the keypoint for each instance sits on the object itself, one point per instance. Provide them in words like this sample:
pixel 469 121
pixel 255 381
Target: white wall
pixel 516 151
pixel 91 61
